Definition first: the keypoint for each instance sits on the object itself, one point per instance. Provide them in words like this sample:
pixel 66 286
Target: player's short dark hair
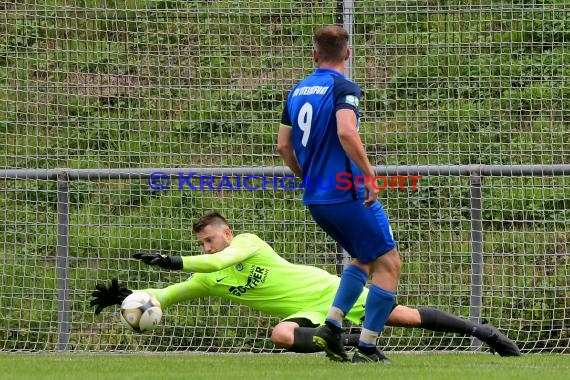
pixel 330 43
pixel 209 218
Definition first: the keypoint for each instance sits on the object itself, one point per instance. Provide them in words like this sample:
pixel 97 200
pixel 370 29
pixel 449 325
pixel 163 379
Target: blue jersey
pixel 311 112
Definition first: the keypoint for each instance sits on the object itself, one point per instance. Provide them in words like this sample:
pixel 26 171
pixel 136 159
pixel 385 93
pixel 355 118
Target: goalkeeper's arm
pixel 160 260
pixel 238 251
pixel 114 294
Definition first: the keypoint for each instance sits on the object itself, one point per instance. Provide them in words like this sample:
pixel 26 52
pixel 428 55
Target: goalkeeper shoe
pixel 376 357
pixel 331 343
pixel 350 340
pixel 498 342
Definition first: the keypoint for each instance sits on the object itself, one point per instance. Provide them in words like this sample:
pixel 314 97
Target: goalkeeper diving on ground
pixel 246 270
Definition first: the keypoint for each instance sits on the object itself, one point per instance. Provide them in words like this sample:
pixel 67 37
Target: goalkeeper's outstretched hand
pixel 163 261
pixel 108 295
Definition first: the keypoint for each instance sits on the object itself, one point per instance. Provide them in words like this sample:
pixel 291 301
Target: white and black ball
pixel 140 312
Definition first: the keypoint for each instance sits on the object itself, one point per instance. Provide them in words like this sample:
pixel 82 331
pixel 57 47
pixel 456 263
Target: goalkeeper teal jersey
pixel 251 273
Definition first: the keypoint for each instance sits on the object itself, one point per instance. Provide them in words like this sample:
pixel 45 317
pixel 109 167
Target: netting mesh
pixel 136 84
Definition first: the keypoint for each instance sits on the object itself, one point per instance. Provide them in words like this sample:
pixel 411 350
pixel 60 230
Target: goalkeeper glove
pixel 163 261
pixel 108 295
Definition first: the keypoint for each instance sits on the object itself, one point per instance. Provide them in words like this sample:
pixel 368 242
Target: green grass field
pixel 279 366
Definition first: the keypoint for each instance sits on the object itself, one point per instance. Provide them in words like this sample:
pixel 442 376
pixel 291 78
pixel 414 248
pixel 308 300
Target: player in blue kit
pixel 319 138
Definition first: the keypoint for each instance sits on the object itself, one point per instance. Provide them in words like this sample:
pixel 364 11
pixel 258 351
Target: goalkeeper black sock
pixel 437 320
pixel 303 340
pixel 350 340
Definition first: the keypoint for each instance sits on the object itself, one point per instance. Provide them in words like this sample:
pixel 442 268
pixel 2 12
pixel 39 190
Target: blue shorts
pixel 364 232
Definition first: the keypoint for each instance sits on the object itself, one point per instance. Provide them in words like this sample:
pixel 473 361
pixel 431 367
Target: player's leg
pixel 296 334
pixel 352 282
pixel 437 320
pixel 379 304
pixel 367 237
pixel 403 316
pixel 498 342
pixel 332 219
pixel 290 335
pixel 376 249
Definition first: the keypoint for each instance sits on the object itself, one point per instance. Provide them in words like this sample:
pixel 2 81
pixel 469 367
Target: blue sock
pixel 378 307
pixel 352 282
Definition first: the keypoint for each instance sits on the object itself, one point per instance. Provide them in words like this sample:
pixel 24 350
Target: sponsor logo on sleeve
pixel 352 100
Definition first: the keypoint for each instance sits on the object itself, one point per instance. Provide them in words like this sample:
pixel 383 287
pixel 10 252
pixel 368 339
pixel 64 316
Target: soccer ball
pixel 140 312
